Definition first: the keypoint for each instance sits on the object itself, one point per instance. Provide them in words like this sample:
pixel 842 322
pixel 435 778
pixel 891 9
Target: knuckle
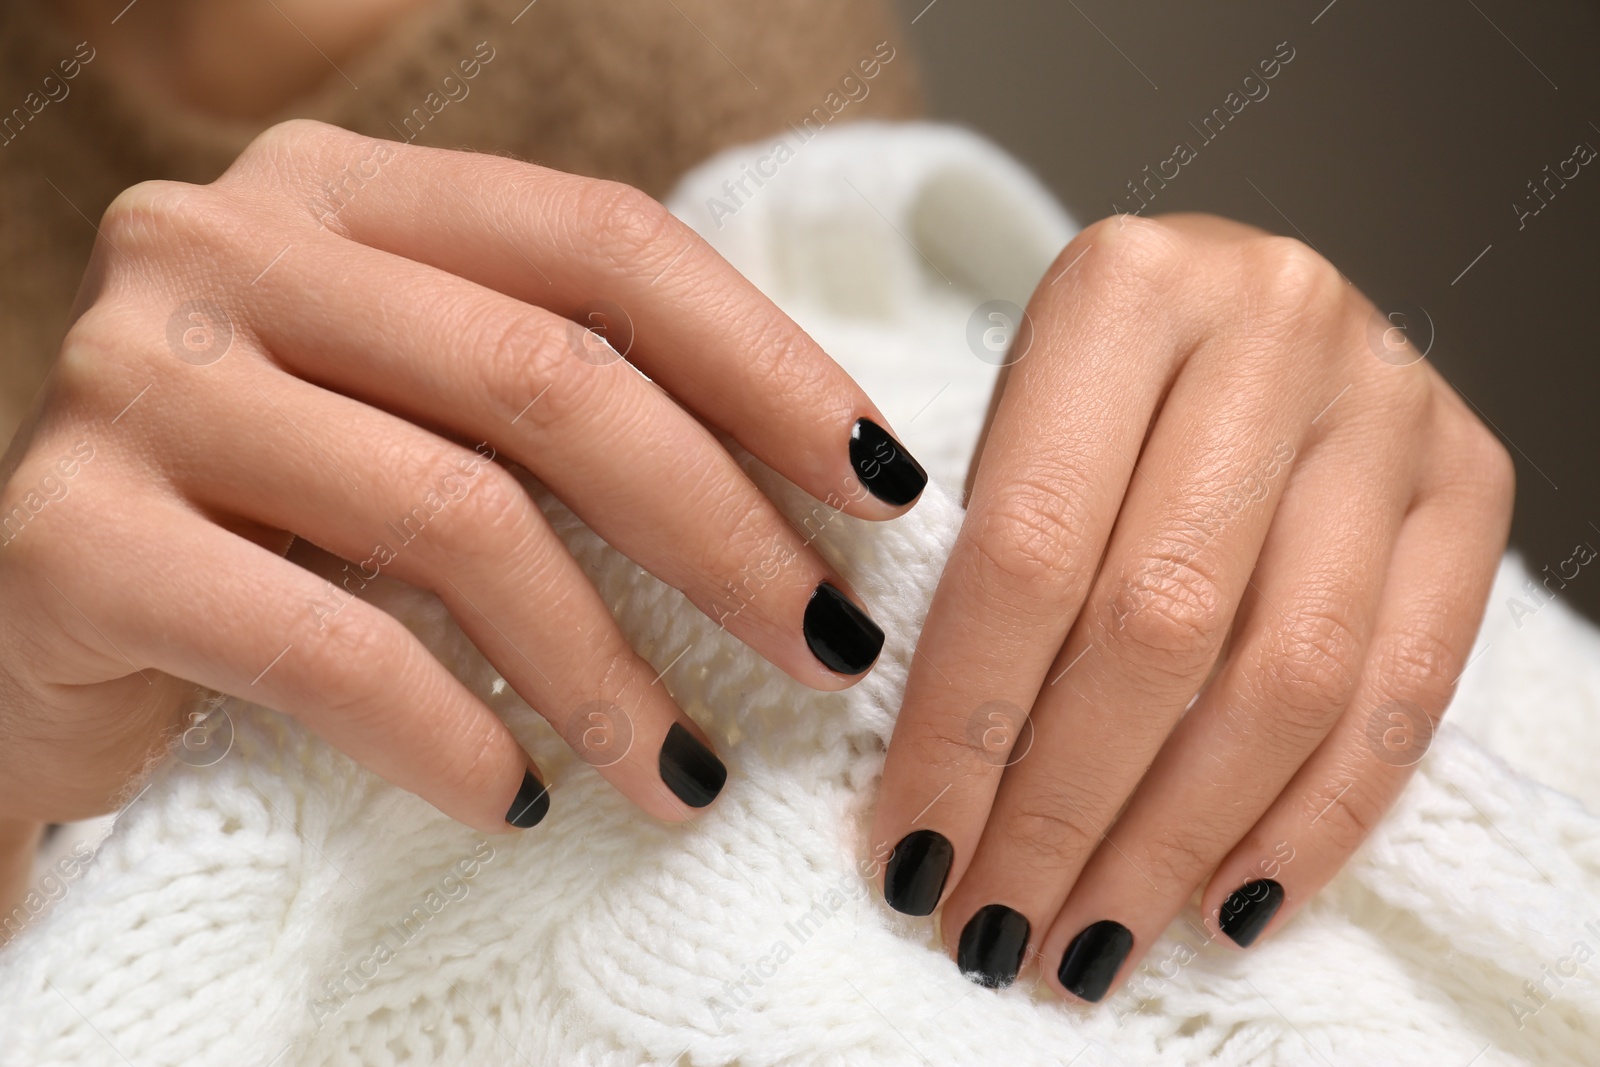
pixel 1029 537
pixel 475 765
pixel 455 503
pixel 35 506
pixel 1051 833
pixel 1342 816
pixel 521 361
pixel 300 155
pixel 1292 280
pixel 488 519
pixel 90 342
pixel 153 212
pixel 1308 669
pixel 622 223
pixel 107 356
pixel 988 737
pixel 1499 470
pixel 1181 860
pixel 782 360
pixel 1140 252
pixel 22 555
pixel 745 530
pixel 616 674
pixel 353 657
pixel 944 750
pixel 1413 400
pixel 1166 614
pixel 1345 826
pixel 278 144
pixel 1417 666
pixel 1490 464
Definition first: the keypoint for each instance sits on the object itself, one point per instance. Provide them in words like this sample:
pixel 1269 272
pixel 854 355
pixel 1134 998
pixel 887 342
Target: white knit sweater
pixel 282 906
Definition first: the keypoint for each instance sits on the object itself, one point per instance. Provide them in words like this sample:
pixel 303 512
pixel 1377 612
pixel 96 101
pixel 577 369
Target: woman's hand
pixel 342 339
pixel 1216 470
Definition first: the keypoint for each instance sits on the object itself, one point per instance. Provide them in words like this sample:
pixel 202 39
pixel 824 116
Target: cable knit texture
pixel 284 906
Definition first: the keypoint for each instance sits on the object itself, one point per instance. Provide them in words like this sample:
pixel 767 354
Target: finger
pixel 234 617
pixel 607 255
pixel 640 471
pixel 19 845
pixel 1046 495
pixel 1189 534
pixel 1298 646
pixel 396 500
pixel 1439 579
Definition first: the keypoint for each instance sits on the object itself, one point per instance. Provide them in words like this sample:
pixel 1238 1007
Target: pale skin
pixel 1101 597
pixel 1091 595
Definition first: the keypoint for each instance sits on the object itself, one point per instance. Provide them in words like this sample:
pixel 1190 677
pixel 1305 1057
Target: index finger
pixel 1047 492
pixel 615 261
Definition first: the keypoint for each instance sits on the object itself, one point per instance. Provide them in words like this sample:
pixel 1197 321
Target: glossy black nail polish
pixel 1249 909
pixel 885 467
pixel 1091 961
pixel 839 633
pixel 531 805
pixel 992 944
pixel 691 770
pixel 916 871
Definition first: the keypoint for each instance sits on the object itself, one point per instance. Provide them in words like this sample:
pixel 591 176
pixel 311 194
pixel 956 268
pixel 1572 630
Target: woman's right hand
pixel 339 339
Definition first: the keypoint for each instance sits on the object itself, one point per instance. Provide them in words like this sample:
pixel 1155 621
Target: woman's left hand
pixel 1216 469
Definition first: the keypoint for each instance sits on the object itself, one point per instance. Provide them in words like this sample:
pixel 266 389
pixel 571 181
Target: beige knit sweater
pixel 635 90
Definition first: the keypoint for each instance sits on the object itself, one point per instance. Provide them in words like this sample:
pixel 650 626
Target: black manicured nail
pixel 690 769
pixel 1091 961
pixel 886 468
pixel 531 805
pixel 992 944
pixel 916 872
pixel 1249 909
pixel 839 633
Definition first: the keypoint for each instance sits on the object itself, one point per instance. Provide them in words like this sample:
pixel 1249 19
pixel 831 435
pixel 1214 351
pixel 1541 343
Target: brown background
pixel 1396 142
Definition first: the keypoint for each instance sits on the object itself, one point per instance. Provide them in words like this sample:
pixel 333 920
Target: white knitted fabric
pixel 282 906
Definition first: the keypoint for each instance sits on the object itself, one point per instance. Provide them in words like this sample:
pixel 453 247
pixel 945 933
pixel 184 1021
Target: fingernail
pixel 1249 909
pixel 1091 961
pixel 915 875
pixel 885 467
pixel 992 944
pixel 840 634
pixel 531 805
pixel 691 770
